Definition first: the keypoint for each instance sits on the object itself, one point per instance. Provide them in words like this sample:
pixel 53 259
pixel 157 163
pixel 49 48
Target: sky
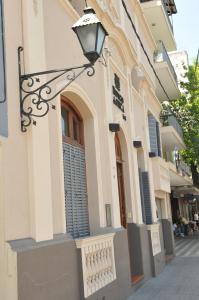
pixel 186 26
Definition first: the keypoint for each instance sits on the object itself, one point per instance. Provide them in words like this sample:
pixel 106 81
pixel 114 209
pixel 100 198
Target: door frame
pixel 120 181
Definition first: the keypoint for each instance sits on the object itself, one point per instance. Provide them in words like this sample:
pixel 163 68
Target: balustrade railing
pixel 98 262
pixel 172 121
pixel 181 167
pixel 162 55
pixel 184 168
pixel 168 119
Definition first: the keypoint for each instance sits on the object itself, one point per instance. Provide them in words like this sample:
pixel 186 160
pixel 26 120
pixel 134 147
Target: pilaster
pixel 39 172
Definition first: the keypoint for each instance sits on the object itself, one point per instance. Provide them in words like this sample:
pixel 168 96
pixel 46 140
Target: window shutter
pixel 142 196
pixel 76 204
pixel 158 139
pixel 147 197
pixel 3 106
pixel 153 134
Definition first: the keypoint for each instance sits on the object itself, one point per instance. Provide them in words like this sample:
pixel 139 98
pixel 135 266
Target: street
pixel 180 279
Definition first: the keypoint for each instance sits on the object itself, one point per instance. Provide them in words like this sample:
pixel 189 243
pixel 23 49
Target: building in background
pixel 180 62
pixel 85 194
pixel 184 196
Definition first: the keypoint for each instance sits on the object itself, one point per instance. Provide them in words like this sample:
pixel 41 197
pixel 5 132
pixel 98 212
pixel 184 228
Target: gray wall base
pixel 158 260
pixel 139 249
pixel 52 270
pixel 121 288
pixel 49 272
pixel 168 237
pixel 158 264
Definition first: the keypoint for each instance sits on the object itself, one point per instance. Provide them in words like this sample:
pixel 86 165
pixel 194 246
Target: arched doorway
pixel 120 179
pixel 76 203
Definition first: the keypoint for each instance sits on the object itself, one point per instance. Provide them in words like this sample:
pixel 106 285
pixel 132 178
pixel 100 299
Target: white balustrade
pixel 98 262
pixel 155 238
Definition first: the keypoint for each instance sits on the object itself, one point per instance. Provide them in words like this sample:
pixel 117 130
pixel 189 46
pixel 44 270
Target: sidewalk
pixel 180 279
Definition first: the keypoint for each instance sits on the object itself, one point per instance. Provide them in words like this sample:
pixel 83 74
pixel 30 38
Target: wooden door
pixel 120 179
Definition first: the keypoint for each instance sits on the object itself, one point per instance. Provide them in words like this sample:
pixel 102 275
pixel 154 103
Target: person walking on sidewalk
pixel 185 224
pixel 180 227
pixel 195 217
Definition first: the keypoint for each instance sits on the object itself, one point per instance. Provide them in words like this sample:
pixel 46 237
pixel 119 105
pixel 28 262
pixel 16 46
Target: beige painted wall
pixel 32 162
pixel 8 261
pixel 15 164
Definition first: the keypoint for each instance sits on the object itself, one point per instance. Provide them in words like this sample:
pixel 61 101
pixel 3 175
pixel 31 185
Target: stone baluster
pixel 98 262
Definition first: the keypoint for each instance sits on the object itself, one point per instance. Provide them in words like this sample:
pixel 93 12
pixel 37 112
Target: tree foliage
pixel 186 109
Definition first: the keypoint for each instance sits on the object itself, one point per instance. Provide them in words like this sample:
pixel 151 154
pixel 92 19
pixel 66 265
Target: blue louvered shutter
pixel 142 196
pixel 3 106
pixel 147 197
pixel 153 134
pixel 76 203
pixel 158 139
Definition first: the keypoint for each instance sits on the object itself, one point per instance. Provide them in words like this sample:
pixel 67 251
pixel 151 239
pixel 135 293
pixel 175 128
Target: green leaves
pixel 186 109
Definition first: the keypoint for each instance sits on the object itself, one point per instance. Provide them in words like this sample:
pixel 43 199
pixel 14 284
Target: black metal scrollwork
pixel 36 97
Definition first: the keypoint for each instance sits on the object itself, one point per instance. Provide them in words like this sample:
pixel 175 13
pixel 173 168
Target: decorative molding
pixel 108 7
pixel 98 262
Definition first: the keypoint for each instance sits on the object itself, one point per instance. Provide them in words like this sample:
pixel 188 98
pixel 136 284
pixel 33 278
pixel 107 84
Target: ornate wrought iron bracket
pixel 36 97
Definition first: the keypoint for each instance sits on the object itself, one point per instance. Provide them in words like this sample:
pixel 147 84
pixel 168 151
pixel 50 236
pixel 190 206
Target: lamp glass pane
pixel 87 37
pixel 100 39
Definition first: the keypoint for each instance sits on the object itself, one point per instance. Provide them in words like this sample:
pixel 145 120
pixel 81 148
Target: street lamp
pixel 36 96
pixel 91 34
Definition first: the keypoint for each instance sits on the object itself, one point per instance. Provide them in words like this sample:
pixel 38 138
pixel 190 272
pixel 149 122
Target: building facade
pixel 85 194
pixel 180 62
pixel 184 196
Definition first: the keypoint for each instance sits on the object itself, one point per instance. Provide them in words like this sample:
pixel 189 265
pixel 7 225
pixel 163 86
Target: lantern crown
pixel 91 34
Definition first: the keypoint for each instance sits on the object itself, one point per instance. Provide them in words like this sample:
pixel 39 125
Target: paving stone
pixel 180 278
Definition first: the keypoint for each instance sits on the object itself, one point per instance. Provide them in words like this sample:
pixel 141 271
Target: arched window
pixel 72 125
pixel 76 202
